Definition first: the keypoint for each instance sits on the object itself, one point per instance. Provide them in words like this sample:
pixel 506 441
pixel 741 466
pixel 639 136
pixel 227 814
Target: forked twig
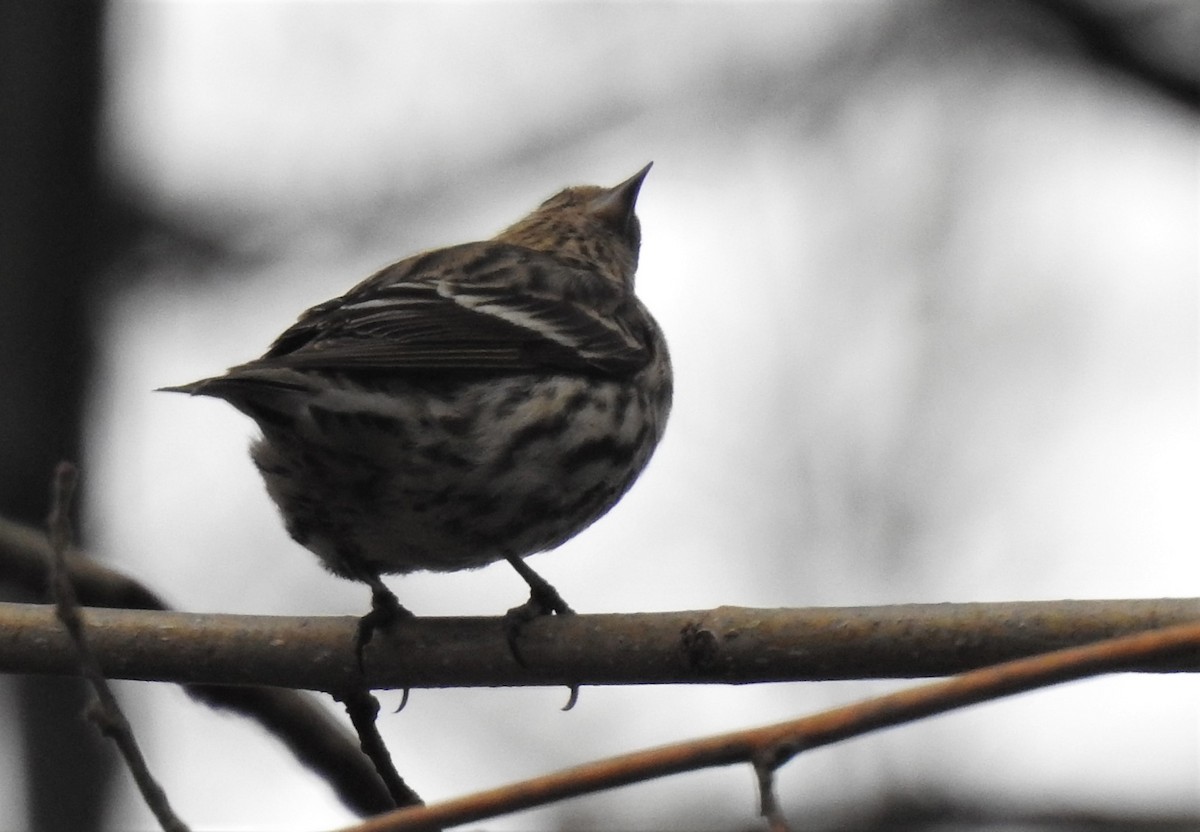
pixel 771 746
pixel 105 712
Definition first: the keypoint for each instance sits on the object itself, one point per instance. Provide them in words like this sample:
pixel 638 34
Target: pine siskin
pixel 474 403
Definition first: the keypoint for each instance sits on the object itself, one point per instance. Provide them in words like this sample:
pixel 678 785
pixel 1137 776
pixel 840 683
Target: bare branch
pixel 771 746
pixel 363 708
pixel 727 645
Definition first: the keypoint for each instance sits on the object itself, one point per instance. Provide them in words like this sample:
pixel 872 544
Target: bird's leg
pixel 543 600
pixel 361 704
pixel 386 609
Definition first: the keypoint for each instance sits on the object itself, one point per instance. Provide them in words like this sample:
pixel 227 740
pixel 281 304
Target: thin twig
pixel 106 712
pixel 363 709
pixel 773 745
pixel 768 801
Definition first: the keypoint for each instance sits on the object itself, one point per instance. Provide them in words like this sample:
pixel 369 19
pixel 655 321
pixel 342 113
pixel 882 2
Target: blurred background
pixel 929 275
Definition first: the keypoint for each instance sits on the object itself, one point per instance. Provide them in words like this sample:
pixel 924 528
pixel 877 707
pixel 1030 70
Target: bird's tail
pixel 269 396
pixel 204 387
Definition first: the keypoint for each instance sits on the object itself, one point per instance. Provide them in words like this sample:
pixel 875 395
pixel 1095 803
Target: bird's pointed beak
pixel 634 183
pixel 615 205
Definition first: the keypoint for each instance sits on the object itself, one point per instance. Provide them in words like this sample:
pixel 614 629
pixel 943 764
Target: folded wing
pixel 476 307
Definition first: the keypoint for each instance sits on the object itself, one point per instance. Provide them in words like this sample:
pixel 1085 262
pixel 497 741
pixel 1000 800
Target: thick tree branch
pixel 727 645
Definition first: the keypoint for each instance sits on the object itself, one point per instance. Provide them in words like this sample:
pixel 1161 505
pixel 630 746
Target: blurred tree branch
pixel 54 202
pixel 1153 43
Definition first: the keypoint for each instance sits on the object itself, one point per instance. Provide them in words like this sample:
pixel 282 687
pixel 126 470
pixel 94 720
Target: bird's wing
pixel 478 307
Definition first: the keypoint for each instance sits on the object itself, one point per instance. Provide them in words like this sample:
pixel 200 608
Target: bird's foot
pixel 543 600
pixel 386 610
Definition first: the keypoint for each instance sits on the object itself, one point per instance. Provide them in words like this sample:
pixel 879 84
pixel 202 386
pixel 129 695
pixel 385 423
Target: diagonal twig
pixel 362 707
pixel 106 712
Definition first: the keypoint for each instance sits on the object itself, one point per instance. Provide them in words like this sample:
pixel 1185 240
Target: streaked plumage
pixel 474 403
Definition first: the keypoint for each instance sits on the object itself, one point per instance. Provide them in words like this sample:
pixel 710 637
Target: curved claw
pixel 572 698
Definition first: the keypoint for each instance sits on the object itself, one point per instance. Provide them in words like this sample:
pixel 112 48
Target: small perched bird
pixel 469 404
